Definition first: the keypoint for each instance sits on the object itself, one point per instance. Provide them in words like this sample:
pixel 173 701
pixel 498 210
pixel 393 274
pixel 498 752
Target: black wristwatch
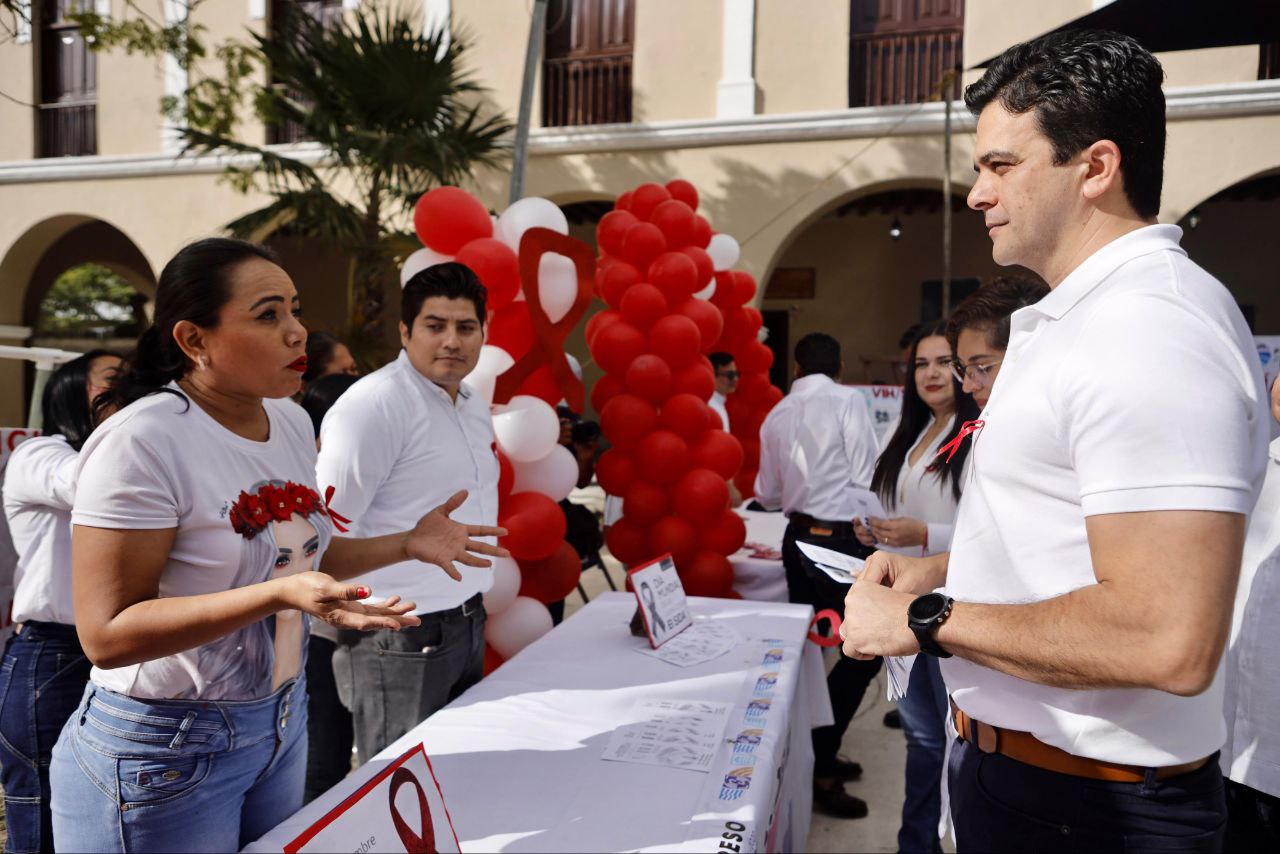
pixel 924 615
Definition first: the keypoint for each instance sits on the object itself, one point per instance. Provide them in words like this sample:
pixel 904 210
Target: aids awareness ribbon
pixel 340 522
pixel 549 338
pixel 424 843
pixel 967 428
pixel 825 614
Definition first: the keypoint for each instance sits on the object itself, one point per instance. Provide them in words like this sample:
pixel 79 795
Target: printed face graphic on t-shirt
pixel 296 545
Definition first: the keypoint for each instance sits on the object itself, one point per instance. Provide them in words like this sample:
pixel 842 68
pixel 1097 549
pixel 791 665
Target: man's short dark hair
pixel 990 306
pixel 451 280
pixel 720 360
pixel 818 353
pixel 1087 85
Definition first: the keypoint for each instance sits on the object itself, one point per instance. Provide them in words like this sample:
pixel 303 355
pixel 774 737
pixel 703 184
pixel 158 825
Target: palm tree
pixel 396 113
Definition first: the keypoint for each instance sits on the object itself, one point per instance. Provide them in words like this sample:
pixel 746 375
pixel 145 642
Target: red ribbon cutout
pixel 339 521
pixel 966 429
pixel 549 338
pixel 413 843
pixel 826 614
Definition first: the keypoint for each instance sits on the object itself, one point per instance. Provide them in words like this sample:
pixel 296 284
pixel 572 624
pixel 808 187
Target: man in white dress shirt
pixel 1096 552
pixel 726 384
pixel 816 447
pixel 399 442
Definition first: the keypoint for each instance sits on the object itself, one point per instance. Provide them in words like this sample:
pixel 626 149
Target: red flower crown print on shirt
pixel 273 502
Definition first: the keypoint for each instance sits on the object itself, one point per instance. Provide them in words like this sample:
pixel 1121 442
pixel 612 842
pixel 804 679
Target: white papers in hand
pixel 899 669
pixel 867 504
pixel 843 568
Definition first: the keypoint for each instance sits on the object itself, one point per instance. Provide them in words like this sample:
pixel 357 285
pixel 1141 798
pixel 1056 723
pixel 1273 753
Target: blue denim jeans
pixel 924 715
pixel 178 775
pixel 41 680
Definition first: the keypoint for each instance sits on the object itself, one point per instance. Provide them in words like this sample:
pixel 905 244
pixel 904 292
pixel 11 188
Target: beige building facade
pixel 748 99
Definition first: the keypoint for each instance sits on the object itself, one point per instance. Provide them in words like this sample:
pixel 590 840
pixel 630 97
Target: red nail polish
pixel 362 592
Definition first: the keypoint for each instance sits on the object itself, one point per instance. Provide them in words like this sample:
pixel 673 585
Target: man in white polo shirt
pixel 400 441
pixel 1098 544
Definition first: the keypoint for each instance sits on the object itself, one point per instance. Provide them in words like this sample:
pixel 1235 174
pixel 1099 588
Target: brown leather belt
pixel 1026 748
pixel 825 527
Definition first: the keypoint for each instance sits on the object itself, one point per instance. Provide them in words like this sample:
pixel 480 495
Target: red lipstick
pixel 299 364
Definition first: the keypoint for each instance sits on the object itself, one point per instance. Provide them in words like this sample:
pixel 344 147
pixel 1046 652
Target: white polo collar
pixel 811 383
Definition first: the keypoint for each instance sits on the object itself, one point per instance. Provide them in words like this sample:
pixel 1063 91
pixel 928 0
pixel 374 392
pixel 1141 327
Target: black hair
pixel 1087 85
pixel 64 407
pixel 194 286
pixel 450 280
pixel 818 353
pixel 990 306
pixel 322 393
pixel 320 347
pixel 720 360
pixel 907 338
pixel 913 421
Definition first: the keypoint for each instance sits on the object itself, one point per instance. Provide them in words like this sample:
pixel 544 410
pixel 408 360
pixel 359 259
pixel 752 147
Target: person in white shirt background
pixel 1096 551
pixel 45 669
pixel 193 503
pixel 817 446
pixel 1251 754
pixel 922 489
pixel 978 331
pixel 398 442
pixel 726 371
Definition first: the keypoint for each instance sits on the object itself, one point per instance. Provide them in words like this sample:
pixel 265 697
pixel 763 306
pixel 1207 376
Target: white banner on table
pixel 400 810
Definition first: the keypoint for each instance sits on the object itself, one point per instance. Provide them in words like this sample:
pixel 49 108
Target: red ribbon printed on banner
pixel 340 522
pixel 413 842
pixel 549 338
pixel 826 614
pixel 966 429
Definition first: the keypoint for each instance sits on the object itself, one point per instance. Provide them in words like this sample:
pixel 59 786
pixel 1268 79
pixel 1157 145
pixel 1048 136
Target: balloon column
pixel 672 299
pixel 537 472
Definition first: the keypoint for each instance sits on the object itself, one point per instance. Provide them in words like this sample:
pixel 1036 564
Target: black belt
pixel 37 629
pixel 466 609
pixel 825 527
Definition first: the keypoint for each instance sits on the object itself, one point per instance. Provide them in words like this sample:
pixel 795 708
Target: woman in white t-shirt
pixel 923 489
pixel 44 670
pixel 197 536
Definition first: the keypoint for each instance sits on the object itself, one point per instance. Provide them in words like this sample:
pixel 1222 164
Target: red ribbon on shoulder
pixel 966 429
pixel 340 522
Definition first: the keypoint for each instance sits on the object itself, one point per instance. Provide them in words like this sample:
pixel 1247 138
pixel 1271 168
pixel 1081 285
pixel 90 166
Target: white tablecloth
pixel 518 756
pixel 760 579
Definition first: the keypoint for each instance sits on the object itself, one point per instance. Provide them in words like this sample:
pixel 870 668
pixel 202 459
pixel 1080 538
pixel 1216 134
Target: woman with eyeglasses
pixel 923 488
pixel 978 331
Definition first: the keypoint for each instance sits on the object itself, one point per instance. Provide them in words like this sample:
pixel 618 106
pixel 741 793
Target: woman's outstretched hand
pixel 338 604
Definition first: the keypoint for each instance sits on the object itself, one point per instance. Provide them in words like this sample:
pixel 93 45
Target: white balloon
pixel 557 285
pixel 506 585
pixel 555 475
pixel 526 214
pixel 493 362
pixel 724 251
pixel 527 428
pixel 522 623
pixel 574 365
pixel 419 261
pixel 708 292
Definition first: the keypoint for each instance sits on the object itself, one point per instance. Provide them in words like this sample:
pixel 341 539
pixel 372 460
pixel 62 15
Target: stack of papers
pixel 703 641
pixel 683 734
pixel 899 669
pixel 843 568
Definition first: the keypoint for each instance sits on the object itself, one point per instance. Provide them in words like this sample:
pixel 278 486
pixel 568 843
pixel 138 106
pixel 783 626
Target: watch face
pixel 927 607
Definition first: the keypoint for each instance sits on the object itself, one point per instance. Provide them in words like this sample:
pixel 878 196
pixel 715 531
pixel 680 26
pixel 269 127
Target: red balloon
pixel 675 274
pixel 496 266
pixel 628 540
pixel 754 389
pixel 686 416
pixel 553 578
pixel 724 297
pixel 623 202
pixel 750 452
pixel 726 534
pixel 626 419
pixel 616 470
pixel 642 243
pixel 599 321
pixel 492 661
pixel 701 260
pixel 746 483
pixel 741 327
pixel 643 304
pixel 506 476
pixel 645 503
pixel 662 457
pixel 612 228
pixel 646 198
pixel 681 190
pixel 606 389
pixel 695 379
pixel 774 398
pixel 755 357
pixel 649 377
pixel 616 345
pixel 535 525
pixel 675 338
pixel 448 218
pixel 701 232
pixel 744 286
pixel 707 574
pixel 707 317
pixel 511 329
pixel 614 280
pixel 720 452
pixel 675 219
pixel 673 535
pixel 739 410
pixel 701 496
